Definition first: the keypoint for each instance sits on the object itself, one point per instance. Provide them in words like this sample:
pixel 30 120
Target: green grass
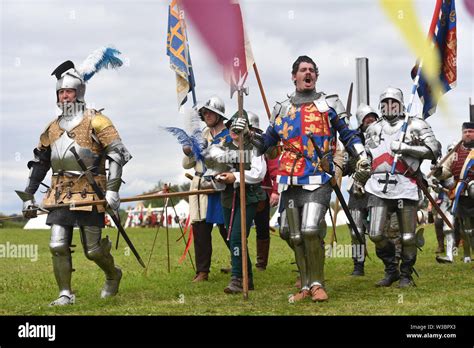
pixel 27 287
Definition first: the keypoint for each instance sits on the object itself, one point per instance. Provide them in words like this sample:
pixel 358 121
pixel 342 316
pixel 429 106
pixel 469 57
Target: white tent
pixel 340 220
pixel 38 223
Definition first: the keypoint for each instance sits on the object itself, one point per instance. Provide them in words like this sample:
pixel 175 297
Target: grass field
pixel 27 287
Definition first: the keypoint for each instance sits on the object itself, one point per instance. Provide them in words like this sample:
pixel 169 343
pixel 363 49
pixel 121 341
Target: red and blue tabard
pixel 298 163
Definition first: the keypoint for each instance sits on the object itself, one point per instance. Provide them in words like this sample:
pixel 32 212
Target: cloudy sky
pixel 36 36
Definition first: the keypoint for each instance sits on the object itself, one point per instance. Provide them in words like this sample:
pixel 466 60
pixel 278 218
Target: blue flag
pixel 177 49
pixel 445 43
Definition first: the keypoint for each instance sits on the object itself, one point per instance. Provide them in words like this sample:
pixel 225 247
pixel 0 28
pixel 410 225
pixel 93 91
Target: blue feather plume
pixel 194 141
pixel 102 58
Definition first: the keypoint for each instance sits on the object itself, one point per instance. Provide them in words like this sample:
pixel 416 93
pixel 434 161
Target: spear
pixel 243 204
pixel 333 237
pixel 144 197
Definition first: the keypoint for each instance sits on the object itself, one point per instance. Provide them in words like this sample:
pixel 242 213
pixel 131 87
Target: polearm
pixel 243 202
pixel 435 205
pixel 403 133
pixel 167 230
pixel 143 197
pixel 444 159
pixel 333 237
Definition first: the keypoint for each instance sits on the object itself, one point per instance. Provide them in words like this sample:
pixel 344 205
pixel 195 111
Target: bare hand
pixel 226 178
pixel 274 199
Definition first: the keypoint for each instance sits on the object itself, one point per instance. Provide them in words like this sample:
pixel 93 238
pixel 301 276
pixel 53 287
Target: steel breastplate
pixel 62 159
pixel 380 148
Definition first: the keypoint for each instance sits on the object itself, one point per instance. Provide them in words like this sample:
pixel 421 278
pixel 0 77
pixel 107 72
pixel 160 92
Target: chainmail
pixel 300 98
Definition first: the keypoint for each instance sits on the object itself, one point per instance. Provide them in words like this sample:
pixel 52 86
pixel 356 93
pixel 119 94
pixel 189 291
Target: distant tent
pixel 38 223
pixel 182 211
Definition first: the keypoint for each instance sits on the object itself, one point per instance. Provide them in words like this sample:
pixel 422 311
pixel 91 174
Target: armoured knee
pixel 409 240
pixel 313 232
pixel 314 225
pixel 100 251
pixel 296 239
pixel 469 233
pixel 379 239
pixel 284 229
pixel 59 248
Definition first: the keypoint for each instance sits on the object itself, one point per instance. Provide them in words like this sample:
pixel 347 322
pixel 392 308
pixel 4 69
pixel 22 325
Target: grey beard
pixel 300 98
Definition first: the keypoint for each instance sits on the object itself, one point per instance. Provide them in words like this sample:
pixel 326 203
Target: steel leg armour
pixel 285 230
pixel 60 243
pixel 358 251
pixel 407 224
pixel 467 233
pixel 313 230
pixel 98 250
pixel 384 249
pixel 378 219
pixel 296 240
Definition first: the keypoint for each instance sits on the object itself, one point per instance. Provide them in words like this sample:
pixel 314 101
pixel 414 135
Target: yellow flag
pixel 403 15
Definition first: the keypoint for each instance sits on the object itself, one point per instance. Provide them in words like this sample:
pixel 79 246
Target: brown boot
pixel 201 277
pixel 263 248
pixel 318 294
pixel 299 296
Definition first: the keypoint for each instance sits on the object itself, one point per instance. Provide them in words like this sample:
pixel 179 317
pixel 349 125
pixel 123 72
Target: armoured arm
pixel 117 156
pixel 263 142
pixel 349 137
pixel 39 167
pixel 423 144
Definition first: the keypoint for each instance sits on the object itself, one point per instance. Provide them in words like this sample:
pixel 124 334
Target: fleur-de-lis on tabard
pixel 286 129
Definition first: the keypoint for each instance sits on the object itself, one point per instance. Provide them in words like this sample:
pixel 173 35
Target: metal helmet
pixel 214 104
pixel 392 93
pixel 69 77
pixel 253 119
pixel 362 111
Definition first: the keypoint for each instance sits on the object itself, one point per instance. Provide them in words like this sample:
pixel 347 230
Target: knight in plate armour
pixel 396 193
pixel 98 143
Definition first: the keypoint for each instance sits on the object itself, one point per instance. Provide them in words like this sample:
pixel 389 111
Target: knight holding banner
pixel 399 192
pixel 96 141
pixel 308 119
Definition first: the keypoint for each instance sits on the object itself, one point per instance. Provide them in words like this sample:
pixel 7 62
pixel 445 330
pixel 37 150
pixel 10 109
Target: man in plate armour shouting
pixel 306 124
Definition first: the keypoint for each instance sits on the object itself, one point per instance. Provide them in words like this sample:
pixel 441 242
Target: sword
pixel 337 190
pixel 100 194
